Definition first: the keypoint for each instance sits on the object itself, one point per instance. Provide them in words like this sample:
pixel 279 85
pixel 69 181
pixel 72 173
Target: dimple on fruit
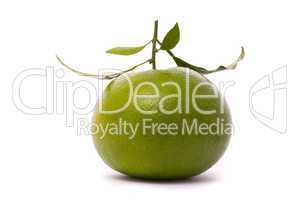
pixel 161 123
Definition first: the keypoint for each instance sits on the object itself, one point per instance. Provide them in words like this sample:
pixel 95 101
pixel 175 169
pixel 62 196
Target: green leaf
pixel 171 39
pixel 235 63
pixel 125 51
pixel 181 63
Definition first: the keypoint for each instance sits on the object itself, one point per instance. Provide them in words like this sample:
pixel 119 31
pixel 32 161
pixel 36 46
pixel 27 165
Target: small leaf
pixel 235 63
pixel 181 63
pixel 171 39
pixel 125 51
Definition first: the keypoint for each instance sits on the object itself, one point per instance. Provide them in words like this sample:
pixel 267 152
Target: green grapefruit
pixel 144 126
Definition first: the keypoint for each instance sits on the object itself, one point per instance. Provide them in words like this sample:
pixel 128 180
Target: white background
pixel 41 158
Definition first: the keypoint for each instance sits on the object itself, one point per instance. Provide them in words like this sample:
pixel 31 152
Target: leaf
pixel 171 39
pixel 235 63
pixel 125 51
pixel 181 63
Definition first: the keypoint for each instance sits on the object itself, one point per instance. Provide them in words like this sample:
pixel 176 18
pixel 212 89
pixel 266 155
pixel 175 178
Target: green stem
pixel 154 41
pixel 108 76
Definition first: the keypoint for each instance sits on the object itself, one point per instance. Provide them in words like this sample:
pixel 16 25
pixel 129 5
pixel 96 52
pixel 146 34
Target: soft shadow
pixel 200 179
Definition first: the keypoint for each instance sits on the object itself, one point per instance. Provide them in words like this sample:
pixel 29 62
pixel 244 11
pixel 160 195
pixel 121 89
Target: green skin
pixel 160 156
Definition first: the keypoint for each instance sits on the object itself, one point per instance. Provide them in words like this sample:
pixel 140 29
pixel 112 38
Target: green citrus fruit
pixel 161 124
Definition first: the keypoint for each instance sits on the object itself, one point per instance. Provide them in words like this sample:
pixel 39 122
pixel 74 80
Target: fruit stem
pixel 154 41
